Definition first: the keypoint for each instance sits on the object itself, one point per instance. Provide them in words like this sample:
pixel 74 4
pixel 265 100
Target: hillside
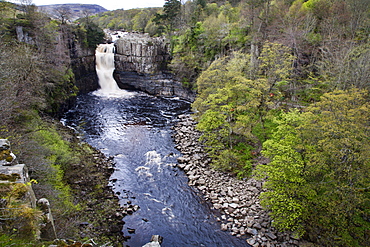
pixel 71 11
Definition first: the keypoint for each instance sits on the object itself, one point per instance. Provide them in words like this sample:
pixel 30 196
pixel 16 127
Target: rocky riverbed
pixel 236 201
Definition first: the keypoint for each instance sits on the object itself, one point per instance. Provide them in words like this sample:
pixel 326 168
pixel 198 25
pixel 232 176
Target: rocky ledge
pixel 236 201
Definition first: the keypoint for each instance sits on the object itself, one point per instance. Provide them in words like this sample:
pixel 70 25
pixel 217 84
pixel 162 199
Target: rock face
pixel 236 201
pixel 83 66
pixel 141 62
pixel 141 53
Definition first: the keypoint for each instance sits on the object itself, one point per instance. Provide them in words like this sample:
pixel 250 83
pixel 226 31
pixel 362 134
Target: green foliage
pixel 186 62
pixel 234 102
pixel 285 174
pixel 21 220
pixel 94 35
pixel 317 179
pixel 129 20
pixel 170 16
pixel 60 90
pixel 275 62
pixel 140 20
pixel 60 157
pixel 13 240
pixel 216 28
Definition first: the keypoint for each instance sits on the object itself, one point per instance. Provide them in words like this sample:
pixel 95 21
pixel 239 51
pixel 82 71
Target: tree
pixel 140 20
pixel 318 178
pixel 226 108
pixel 234 102
pixel 216 28
pixel 63 14
pixel 20 81
pixel 170 16
pixel 288 192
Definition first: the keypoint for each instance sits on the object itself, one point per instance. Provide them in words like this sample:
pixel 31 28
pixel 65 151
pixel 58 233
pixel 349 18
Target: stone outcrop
pixel 7 158
pixel 83 66
pixel 141 53
pixel 12 172
pixel 17 195
pixel 47 224
pixel 154 84
pixel 23 36
pixel 141 62
pixel 236 201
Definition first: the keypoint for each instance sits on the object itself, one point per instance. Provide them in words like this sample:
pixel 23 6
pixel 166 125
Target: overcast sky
pixel 108 4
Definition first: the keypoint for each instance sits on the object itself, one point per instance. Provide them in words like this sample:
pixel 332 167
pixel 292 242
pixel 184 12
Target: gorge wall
pixel 83 66
pixel 141 62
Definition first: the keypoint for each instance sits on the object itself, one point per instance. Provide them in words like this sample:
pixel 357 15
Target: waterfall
pixel 104 55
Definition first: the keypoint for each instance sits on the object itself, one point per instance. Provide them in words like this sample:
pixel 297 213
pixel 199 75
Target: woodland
pixel 282 95
pixel 287 81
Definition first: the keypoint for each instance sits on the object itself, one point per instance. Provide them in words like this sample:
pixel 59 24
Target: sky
pixel 108 4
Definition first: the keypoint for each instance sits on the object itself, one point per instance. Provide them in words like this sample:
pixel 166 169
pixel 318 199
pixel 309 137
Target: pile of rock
pixel 237 201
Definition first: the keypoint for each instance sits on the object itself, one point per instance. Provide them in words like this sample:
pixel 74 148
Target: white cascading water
pixel 104 55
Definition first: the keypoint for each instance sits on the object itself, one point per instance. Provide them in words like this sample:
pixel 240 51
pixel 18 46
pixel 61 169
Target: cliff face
pixel 141 53
pixel 141 62
pixel 83 66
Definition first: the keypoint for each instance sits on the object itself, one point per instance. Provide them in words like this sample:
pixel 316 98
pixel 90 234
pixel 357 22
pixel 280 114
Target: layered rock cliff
pixel 141 62
pixel 83 66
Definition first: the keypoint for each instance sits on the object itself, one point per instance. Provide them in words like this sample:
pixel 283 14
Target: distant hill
pixel 71 11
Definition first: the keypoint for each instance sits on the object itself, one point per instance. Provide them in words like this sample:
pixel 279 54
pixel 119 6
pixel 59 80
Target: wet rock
pixel 271 235
pixel 252 231
pixel 257 225
pixel 251 241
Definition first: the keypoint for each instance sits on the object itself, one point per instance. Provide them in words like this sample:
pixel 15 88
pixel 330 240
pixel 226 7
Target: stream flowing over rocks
pixel 237 201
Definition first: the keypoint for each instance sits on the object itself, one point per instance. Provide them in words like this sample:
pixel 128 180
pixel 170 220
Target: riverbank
pixel 101 216
pixel 236 202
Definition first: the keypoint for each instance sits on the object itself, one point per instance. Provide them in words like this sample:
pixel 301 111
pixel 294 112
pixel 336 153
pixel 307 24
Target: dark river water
pixel 134 128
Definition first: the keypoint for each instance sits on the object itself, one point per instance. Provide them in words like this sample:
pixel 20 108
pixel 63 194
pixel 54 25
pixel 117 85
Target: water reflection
pixel 136 131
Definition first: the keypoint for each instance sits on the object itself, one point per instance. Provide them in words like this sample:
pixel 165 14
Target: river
pixel 135 129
